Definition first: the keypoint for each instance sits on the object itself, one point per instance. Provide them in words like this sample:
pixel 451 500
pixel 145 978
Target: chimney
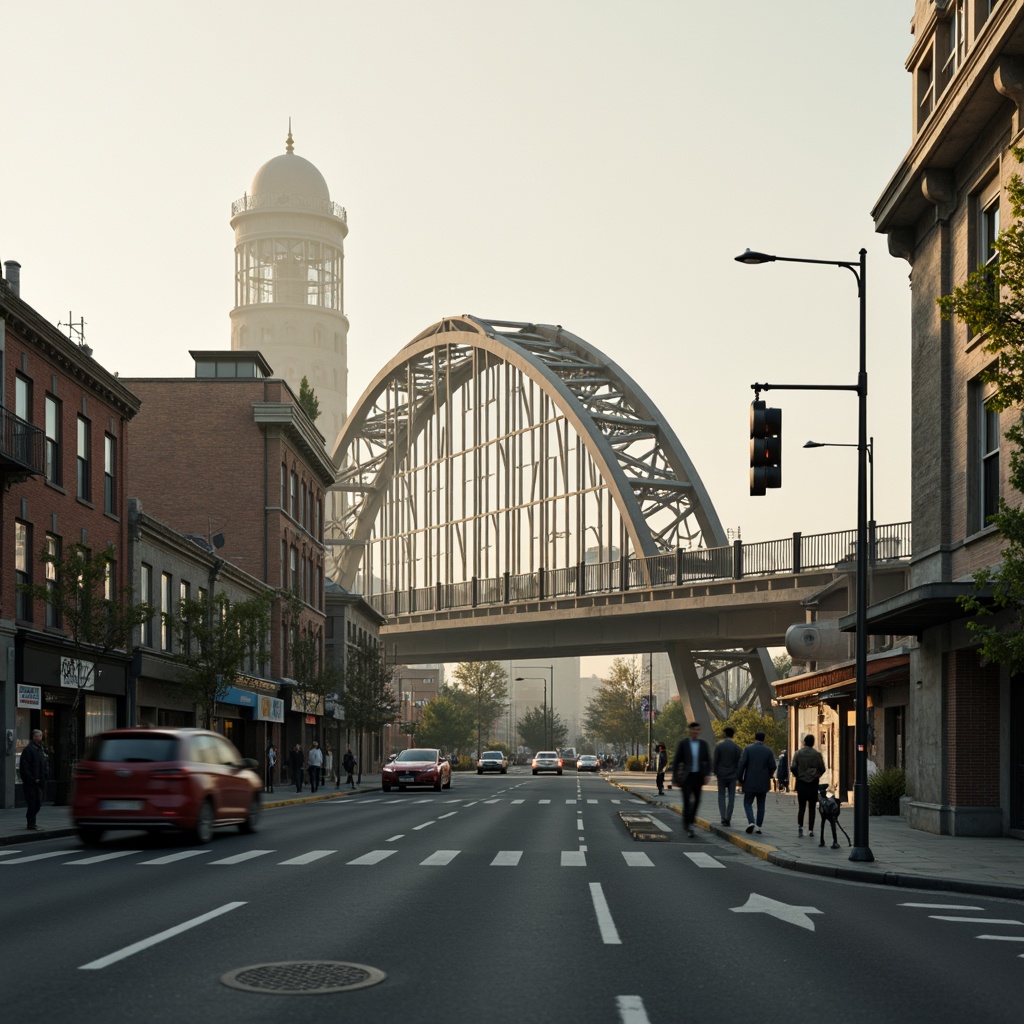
pixel 13 268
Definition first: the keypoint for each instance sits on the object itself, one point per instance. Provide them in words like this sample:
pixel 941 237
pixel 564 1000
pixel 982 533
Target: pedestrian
pixel 691 769
pixel 33 768
pixel 329 766
pixel 808 767
pixel 268 784
pixel 349 764
pixel 725 765
pixel 782 774
pixel 314 762
pixel 660 764
pixel 295 766
pixel 756 768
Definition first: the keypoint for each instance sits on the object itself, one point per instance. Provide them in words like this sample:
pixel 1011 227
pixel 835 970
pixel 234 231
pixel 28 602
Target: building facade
pixel 941 212
pixel 64 445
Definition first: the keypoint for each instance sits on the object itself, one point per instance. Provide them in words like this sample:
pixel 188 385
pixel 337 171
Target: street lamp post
pixel 860 851
pixel 549 725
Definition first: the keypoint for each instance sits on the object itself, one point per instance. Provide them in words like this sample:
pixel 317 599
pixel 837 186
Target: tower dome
pixel 287 176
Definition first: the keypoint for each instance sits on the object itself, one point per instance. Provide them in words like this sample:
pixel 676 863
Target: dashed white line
pixel 425 824
pixel 631 1010
pixel 609 933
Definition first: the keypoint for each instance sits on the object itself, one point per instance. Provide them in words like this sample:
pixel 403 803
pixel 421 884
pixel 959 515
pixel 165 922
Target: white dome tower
pixel 289 281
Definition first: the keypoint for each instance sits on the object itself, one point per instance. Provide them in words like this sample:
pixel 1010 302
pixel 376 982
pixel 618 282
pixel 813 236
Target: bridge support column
pixel 680 657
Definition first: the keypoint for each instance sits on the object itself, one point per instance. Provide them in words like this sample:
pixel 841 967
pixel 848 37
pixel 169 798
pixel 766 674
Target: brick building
pixel 229 455
pixel 941 212
pixel 63 461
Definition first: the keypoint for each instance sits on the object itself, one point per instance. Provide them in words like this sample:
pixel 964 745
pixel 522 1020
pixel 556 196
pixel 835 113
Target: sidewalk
pixel 903 856
pixel 55 822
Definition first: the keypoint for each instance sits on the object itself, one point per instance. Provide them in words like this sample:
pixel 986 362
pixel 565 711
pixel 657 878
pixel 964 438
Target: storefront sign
pixel 243 698
pixel 30 696
pixel 270 709
pixel 77 675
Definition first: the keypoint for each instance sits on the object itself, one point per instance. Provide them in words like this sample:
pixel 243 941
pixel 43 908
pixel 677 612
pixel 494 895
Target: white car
pixel 546 761
pixel 492 761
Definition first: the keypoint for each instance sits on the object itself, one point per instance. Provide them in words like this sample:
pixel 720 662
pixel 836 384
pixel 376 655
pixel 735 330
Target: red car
pixel 154 779
pixel 418 766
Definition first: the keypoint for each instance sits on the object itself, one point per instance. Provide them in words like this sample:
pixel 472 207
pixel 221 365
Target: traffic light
pixel 765 447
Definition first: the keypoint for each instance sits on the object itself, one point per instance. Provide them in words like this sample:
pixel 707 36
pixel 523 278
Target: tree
pixel 307 400
pixel 671 725
pixel 96 620
pixel 316 676
pixel 540 730
pixel 991 304
pixel 370 701
pixel 486 682
pixel 448 721
pixel 215 638
pixel 783 665
pixel 613 713
pixel 748 721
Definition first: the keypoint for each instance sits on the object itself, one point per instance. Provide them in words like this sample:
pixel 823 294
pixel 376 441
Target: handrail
pixel 22 443
pixel 788 556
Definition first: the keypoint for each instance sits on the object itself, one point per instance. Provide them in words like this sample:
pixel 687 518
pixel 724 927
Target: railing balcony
pixel 22 446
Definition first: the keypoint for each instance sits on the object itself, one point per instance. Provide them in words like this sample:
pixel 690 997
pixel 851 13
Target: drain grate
pixel 303 978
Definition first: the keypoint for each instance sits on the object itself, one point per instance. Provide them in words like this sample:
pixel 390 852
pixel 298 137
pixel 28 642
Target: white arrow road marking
pixel 631 1010
pixel 609 933
pixel 137 947
pixel 757 904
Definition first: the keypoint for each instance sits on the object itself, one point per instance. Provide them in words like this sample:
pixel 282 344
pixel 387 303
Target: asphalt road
pixel 509 898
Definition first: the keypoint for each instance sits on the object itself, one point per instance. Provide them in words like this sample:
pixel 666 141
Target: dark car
pixel 418 766
pixel 155 779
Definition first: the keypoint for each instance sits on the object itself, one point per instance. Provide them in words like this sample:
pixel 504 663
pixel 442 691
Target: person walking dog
pixel 808 767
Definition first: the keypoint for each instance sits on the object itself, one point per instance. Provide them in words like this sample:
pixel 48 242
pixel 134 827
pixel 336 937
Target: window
pixel 109 576
pixel 284 486
pixel 294 503
pixel 956 39
pixel 925 85
pixel 989 462
pixel 983 438
pixel 293 580
pixel 22 570
pixel 988 232
pixel 23 398
pixel 166 610
pixel 109 474
pixel 84 441
pixel 53 619
pixel 53 439
pixel 146 596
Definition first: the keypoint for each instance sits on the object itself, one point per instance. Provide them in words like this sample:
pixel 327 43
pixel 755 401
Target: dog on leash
pixel 828 808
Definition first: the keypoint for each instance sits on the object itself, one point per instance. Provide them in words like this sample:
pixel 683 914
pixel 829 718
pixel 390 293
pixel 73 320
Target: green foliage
pixel 636 763
pixel 486 683
pixel 783 665
pixel 885 788
pixel 370 701
pixel 613 713
pixel 215 637
pixel 671 725
pixel 307 400
pixel 448 721
pixel 747 722
pixel 991 304
pixel 536 730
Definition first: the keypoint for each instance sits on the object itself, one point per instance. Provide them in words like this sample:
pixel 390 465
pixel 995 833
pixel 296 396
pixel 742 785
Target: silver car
pixel 492 761
pixel 546 761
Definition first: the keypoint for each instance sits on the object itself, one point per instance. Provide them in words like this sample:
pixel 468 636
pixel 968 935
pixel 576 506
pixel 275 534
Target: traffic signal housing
pixel 765 447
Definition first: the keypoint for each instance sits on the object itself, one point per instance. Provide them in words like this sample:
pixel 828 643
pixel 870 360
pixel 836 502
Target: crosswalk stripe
pixel 507 859
pixel 240 857
pixel 543 801
pixel 171 858
pixel 308 858
pixel 374 857
pixel 518 801
pixel 439 858
pixel 33 856
pixel 101 857
pixel 705 860
pixel 592 801
pixel 492 801
pixel 637 859
pixel 574 859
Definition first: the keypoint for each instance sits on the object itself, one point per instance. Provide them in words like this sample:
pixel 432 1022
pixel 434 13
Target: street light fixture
pixel 860 851
pixel 871 487
pixel 549 725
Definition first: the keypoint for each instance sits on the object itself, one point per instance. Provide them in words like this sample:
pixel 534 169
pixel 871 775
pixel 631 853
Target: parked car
pixel 492 761
pixel 588 763
pixel 418 766
pixel 155 779
pixel 546 761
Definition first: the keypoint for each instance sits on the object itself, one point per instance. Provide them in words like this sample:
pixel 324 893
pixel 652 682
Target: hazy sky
pixel 591 163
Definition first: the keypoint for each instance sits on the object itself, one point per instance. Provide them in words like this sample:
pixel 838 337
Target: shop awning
pixel 915 610
pixel 838 682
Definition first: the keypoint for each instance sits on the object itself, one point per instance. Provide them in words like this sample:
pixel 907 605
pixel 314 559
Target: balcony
pixel 22 446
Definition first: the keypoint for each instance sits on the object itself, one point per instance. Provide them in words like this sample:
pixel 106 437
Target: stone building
pixel 941 212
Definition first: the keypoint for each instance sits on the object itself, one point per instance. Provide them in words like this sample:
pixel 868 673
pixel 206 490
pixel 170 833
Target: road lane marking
pixel 137 947
pixel 101 857
pixel 579 824
pixel 439 858
pixel 1002 938
pixel 373 857
pixel 8 853
pixel 757 904
pixel 450 814
pixel 543 801
pixel 425 824
pixel 571 801
pixel 240 858
pixel 507 859
pixel 609 933
pixel 492 801
pixel 705 860
pixel 34 856
pixel 308 858
pixel 939 906
pixel 974 920
pixel 631 1010
pixel 518 801
pixel 172 857
pixel 637 859
pixel 574 859
pixel 661 824
pixel 401 835
pixel 591 801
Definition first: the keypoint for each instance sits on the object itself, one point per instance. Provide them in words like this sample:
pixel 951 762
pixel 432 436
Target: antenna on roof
pixel 76 333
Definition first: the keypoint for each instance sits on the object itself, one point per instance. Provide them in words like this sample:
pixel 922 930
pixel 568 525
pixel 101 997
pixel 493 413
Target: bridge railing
pixel 790 555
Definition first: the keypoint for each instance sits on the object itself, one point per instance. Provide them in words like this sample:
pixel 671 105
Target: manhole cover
pixel 304 978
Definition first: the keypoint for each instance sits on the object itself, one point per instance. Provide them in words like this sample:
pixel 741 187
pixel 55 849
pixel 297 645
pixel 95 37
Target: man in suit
pixel 691 769
pixel 756 768
pixel 726 767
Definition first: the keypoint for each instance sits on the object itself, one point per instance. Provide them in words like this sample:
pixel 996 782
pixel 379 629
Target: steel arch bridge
pixel 487 447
